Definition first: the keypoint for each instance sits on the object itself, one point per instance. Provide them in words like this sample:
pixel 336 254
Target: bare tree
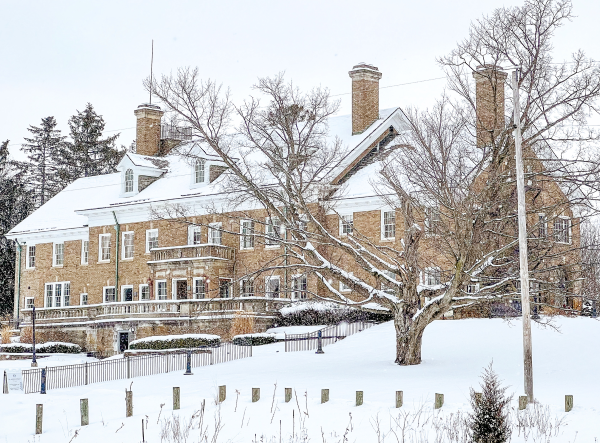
pixel 451 179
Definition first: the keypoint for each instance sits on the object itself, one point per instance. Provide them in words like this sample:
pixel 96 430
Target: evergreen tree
pixel 16 203
pixel 42 150
pixel 88 154
pixel 489 422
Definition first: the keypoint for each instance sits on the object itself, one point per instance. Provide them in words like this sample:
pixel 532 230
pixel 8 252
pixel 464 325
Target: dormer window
pixel 129 180
pixel 199 169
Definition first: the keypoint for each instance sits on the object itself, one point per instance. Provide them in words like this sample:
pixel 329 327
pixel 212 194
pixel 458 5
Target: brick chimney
pixel 148 129
pixel 365 96
pixel 489 97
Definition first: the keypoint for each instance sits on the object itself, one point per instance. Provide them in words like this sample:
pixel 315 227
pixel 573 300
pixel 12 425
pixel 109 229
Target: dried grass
pixel 5 334
pixel 243 323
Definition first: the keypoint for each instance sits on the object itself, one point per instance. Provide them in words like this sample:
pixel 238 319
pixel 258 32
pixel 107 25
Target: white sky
pixel 57 56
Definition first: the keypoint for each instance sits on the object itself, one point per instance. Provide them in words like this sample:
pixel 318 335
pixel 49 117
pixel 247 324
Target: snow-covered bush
pixel 42 348
pixel 326 313
pixel 16 348
pixel 257 339
pixel 176 341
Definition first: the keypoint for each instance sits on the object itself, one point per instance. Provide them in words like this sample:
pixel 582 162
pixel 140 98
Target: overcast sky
pixel 55 56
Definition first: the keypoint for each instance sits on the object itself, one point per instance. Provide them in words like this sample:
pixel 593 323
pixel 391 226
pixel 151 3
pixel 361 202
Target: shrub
pixel 16 348
pixel 42 348
pixel 254 339
pixel 326 313
pixel 176 341
pixel 5 334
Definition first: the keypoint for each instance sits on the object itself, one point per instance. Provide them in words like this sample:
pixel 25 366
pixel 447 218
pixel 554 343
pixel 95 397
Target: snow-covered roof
pixel 147 161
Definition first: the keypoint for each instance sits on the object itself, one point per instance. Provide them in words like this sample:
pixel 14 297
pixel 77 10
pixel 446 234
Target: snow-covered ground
pixel 454 354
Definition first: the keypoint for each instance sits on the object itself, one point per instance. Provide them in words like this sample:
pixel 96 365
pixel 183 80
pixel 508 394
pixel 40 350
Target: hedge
pixel 176 341
pixel 254 339
pixel 322 313
pixel 42 348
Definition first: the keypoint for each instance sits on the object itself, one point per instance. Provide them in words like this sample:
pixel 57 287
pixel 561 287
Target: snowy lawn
pixel 454 354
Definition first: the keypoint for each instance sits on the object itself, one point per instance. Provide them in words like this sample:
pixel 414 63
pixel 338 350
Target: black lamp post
pixel 319 343
pixel 33 360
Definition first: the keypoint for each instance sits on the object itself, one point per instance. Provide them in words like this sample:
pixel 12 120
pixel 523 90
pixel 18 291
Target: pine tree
pixel 489 421
pixel 88 154
pixel 42 150
pixel 16 203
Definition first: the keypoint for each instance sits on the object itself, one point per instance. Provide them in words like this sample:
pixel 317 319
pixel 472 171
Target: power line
pixel 399 84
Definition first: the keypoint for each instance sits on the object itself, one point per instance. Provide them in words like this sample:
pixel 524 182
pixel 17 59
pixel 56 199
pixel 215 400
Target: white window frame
pixel 28 264
pixel 150 232
pixel 29 302
pixel 472 288
pixel 83 297
pixel 124 251
pixel 100 248
pixel 244 293
pixel 141 291
pixel 568 230
pixel 158 295
pixel 55 247
pixel 192 231
pixel 271 238
pixel 65 294
pixel 196 286
pixel 199 174
pixel 343 287
pixel 104 294
pixel 268 278
pixel 432 271
pixel 299 293
pixel 383 225
pixel 346 224
pixel 432 219
pixel 542 226
pixel 129 181
pixel 123 287
pixel 247 238
pixel 213 228
pixel 85 252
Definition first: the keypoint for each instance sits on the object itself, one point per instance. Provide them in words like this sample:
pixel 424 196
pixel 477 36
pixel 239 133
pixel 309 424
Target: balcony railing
pixel 192 252
pixel 172 132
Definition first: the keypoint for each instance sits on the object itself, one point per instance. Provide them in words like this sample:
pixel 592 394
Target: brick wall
pixel 148 129
pixel 365 96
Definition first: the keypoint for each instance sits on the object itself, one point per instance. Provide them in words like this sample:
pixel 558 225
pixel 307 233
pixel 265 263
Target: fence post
pixel 176 398
pixel 324 395
pixel 359 398
pixel 568 403
pixel 128 403
pixel 188 364
pixel 39 413
pixel 255 394
pixel 5 384
pixel 128 368
pixel 439 401
pixel 522 402
pixel 319 343
pixel 43 387
pixel 86 373
pixel 85 414
pixel 399 399
pixel 222 393
pixel 288 394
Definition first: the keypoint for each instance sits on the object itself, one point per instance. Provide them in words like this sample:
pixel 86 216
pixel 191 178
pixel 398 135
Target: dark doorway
pixel 127 294
pixel 123 341
pixel 181 287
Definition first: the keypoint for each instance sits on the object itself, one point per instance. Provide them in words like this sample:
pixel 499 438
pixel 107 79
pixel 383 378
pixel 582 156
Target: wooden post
pixel 39 413
pixel 176 398
pixel 5 384
pixel 128 368
pixel 128 403
pixel 222 393
pixel 85 413
pixel 255 394
pixel 324 395
pixel 359 398
pixel 399 399
pixel 439 400
pixel 288 394
pixel 522 402
pixel 568 403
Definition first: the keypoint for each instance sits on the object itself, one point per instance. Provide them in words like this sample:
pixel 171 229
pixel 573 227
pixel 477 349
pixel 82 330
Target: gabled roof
pixel 145 161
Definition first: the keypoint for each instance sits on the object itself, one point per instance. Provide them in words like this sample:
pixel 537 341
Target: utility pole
pixel 524 265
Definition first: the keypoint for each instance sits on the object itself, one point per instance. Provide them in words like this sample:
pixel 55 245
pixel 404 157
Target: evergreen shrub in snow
pixel 490 422
pixel 42 348
pixel 254 339
pixel 176 341
pixel 325 313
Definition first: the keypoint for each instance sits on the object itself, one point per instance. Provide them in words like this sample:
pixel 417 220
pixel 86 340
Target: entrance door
pixel 127 294
pixel 181 287
pixel 123 341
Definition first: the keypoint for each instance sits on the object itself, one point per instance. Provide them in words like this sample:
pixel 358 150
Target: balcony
pixel 191 252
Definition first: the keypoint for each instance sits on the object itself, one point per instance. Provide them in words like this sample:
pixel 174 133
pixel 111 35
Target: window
pixel 562 230
pixel 246 234
pixel 85 252
pixel 247 287
pixel 432 220
pixel 110 294
pixel 299 287
pixel 389 225
pixel 343 287
pixel 432 277
pixel 199 171
pixel 472 288
pixel 83 299
pixel 30 259
pixel 161 289
pixel 151 239
pixel 272 231
pixel 199 288
pixel 224 287
pixel 215 233
pixel 347 224
pixel 104 249
pixel 127 248
pixel 57 294
pixel 59 254
pixel 144 292
pixel 272 286
pixel 129 180
pixel 542 226
pixel 194 237
pixel 28 302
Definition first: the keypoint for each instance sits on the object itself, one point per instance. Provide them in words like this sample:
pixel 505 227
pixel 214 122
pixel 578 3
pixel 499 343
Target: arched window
pixel 199 171
pixel 129 180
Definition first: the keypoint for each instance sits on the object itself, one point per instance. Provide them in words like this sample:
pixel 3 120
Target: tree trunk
pixel 409 337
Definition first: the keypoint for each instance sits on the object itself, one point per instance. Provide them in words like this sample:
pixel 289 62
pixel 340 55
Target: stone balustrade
pixel 192 252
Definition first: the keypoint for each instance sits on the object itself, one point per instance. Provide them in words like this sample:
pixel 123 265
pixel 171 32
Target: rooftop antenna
pixel 151 63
